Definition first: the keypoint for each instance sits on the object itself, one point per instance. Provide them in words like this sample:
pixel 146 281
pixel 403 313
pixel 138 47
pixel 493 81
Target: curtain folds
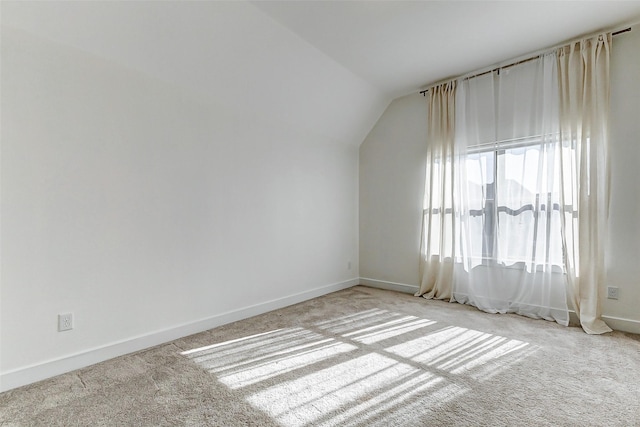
pixel 436 262
pixel 516 194
pixel 583 69
pixel 510 211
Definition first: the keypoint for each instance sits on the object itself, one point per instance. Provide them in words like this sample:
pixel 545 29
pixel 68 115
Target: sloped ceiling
pixel 329 67
pixel 229 54
pixel 401 46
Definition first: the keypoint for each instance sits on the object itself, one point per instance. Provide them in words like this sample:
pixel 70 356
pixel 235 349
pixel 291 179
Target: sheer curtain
pixel 516 198
pixel 584 104
pixel 510 246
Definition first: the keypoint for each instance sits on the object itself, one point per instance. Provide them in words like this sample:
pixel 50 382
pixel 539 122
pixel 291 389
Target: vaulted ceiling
pixel 330 67
pixel 400 46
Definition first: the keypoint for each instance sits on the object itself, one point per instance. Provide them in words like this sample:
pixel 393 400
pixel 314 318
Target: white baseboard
pixel 390 286
pixel 51 368
pixel 615 323
pixel 624 325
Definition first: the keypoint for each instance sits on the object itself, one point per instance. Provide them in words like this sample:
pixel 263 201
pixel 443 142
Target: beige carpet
pixel 359 357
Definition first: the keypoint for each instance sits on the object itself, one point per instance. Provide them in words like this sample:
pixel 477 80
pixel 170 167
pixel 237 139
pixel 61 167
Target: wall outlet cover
pixel 65 322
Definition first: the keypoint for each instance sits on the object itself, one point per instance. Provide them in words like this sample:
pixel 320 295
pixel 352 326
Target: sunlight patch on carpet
pixel 241 362
pixel 350 390
pixel 457 350
pixel 358 368
pixel 374 325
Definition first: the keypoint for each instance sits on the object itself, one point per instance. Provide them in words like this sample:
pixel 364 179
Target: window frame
pixel 491 209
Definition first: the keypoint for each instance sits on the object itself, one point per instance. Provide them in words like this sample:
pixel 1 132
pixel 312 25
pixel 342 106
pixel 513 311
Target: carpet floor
pixel 358 357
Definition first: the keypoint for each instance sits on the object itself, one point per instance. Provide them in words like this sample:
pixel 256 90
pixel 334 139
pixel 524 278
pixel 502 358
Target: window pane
pixel 528 229
pixel 480 170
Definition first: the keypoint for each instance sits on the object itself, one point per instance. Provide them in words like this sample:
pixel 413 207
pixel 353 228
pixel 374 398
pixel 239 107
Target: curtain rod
pixel 424 92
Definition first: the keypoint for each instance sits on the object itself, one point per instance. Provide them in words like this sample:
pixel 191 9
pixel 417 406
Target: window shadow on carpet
pixel 370 367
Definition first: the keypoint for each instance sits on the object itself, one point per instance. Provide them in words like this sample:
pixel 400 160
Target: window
pixel 514 209
pixel 514 202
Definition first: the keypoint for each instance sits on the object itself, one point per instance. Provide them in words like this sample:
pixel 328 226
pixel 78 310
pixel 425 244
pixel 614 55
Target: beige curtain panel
pixel 583 78
pixel 438 251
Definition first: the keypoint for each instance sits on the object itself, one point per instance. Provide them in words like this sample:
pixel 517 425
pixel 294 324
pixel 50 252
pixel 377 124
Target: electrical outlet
pixel 65 322
pixel 612 292
pixel 348 265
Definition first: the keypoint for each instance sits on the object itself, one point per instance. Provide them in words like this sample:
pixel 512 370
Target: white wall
pixel 392 186
pixel 392 164
pixel 227 52
pixel 623 249
pixel 151 209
